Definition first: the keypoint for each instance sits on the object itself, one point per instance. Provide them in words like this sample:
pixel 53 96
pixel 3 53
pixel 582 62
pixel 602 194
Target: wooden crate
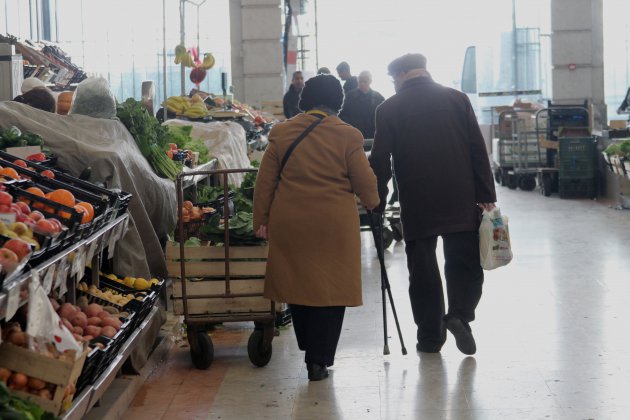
pixel 206 265
pixel 57 372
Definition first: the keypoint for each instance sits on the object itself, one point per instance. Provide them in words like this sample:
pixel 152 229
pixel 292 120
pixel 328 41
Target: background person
pixel 360 105
pixel 308 212
pixel 350 81
pixel 444 177
pixel 292 97
pixel 323 70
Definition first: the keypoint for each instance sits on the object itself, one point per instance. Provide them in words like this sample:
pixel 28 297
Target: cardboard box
pixel 60 373
pixel 618 124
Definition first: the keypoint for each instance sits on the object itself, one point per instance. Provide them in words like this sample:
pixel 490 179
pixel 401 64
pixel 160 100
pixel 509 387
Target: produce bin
pixel 61 373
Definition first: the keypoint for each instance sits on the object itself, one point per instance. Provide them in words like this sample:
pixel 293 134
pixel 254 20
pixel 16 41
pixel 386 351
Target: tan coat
pixel 311 213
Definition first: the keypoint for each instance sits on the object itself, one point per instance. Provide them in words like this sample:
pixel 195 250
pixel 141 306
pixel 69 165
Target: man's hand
pixel 262 232
pixel 486 206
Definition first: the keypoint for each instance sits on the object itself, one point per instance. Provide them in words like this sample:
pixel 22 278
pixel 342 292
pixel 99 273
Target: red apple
pixel 29 222
pixel 8 260
pixel 36 215
pixel 20 163
pixel 20 247
pixel 5 198
pixel 5 208
pixel 56 223
pixel 24 207
pixel 44 227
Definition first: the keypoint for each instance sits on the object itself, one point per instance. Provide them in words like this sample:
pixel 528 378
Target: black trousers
pixel 317 330
pixel 464 280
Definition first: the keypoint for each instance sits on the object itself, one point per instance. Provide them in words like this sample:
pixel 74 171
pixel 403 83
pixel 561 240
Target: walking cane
pixel 377 232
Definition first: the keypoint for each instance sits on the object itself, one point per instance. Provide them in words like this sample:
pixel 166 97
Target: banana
pixel 208 61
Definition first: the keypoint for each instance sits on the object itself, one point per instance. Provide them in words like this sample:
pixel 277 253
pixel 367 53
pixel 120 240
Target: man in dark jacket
pixel 292 97
pixel 360 104
pixel 351 83
pixel 444 178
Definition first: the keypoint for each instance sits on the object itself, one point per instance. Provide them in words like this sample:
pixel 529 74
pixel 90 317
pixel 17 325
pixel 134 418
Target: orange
pixel 64 197
pixel 88 207
pixel 10 172
pixel 85 216
pixel 35 191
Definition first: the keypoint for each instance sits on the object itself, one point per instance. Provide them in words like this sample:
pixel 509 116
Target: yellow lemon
pixel 129 281
pixel 141 284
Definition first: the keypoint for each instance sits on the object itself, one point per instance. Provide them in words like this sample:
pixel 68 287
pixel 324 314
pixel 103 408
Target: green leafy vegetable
pixel 15 408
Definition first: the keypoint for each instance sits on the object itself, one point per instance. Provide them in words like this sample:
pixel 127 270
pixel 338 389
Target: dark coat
pixel 359 109
pixel 311 212
pixel 351 84
pixel 290 102
pixel 439 156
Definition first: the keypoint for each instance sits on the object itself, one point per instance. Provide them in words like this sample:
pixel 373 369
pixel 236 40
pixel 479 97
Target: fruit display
pixel 190 212
pixel 89 320
pixel 137 283
pixel 193 107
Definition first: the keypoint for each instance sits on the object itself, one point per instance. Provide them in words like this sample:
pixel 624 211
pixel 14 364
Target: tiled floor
pixel 552 336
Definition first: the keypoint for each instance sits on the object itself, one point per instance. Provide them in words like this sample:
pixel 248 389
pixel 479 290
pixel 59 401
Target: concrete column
pixel 577 54
pixel 256 32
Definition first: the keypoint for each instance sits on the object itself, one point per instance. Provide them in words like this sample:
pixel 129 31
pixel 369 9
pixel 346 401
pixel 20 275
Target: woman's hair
pixel 322 90
pixel 40 98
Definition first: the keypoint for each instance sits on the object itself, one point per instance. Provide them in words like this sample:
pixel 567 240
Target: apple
pixel 29 222
pixel 36 215
pixel 21 248
pixel 45 227
pixel 8 260
pixel 24 207
pixel 5 208
pixel 19 228
pixel 5 198
pixel 56 223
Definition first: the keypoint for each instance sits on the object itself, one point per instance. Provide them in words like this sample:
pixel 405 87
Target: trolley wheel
pixel 397 231
pixel 546 186
pixel 388 237
pixel 497 176
pixel 256 349
pixel 527 183
pixel 512 181
pixel 201 349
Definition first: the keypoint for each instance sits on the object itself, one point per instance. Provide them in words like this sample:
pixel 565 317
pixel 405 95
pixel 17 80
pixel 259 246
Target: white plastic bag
pixel 495 249
pixel 44 325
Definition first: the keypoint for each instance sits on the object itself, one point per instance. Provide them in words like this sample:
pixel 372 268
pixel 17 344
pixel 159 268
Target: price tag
pixel 63 287
pixel 91 250
pixel 78 261
pixel 7 217
pixel 61 272
pixel 48 279
pixel 13 300
pixel 81 269
pixel 113 238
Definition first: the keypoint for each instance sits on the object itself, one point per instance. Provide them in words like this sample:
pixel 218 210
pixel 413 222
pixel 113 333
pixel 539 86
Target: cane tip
pixel 386 350
pixel 404 351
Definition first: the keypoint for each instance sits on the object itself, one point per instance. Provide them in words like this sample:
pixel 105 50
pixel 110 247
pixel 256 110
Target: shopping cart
pixel 214 285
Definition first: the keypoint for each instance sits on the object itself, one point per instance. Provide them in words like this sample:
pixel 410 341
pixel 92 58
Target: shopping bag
pixel 495 249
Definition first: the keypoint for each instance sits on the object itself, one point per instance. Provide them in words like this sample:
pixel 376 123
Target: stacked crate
pixel 577 167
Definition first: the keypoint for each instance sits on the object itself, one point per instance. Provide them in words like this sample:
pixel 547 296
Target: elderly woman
pixel 304 204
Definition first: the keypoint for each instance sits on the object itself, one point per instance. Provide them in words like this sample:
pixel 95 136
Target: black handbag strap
pixel 297 141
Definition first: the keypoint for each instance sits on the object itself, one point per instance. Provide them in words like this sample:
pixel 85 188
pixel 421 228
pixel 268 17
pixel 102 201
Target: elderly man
pixel 292 97
pixel 444 177
pixel 351 83
pixel 360 105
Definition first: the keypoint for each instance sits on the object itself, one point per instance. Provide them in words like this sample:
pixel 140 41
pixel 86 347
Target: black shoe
pixel 428 348
pixel 316 372
pixel 463 335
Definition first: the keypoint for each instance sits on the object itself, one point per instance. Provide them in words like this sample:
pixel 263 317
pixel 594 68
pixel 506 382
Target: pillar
pixel 256 38
pixel 577 56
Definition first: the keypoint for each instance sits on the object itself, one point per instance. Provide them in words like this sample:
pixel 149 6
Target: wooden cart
pixel 213 285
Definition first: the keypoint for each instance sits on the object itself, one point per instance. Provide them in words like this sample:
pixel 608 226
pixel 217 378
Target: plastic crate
pixel 577 188
pixel 577 158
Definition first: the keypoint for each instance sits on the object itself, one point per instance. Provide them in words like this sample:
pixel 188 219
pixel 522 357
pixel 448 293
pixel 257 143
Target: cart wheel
pixel 201 349
pixel 512 182
pixel 397 231
pixel 255 349
pixel 497 176
pixel 546 186
pixel 504 178
pixel 388 237
pixel 527 183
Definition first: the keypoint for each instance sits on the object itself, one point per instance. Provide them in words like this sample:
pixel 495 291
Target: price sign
pixel 63 287
pixel 13 301
pixel 7 217
pixel 91 250
pixel 48 279
pixel 61 272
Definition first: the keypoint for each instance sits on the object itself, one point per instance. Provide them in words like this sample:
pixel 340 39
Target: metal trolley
pixel 220 284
